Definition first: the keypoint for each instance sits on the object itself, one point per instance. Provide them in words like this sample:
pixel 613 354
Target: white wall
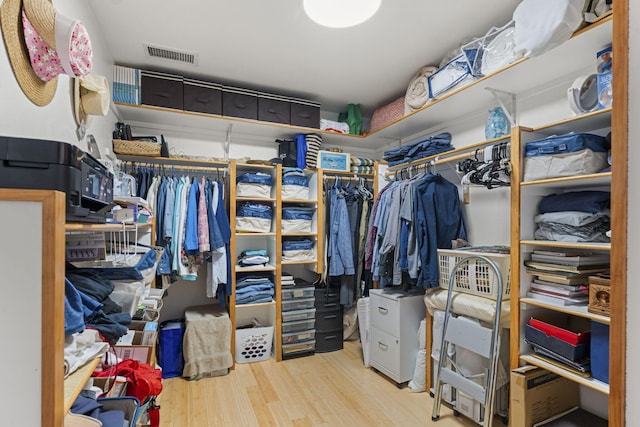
pixel 633 230
pixel 20 117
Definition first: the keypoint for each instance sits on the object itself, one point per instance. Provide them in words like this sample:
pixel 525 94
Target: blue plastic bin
pixel 170 356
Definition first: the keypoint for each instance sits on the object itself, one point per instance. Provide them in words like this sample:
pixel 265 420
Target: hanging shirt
pixel 340 246
pixel 203 220
pixel 439 220
pixel 191 245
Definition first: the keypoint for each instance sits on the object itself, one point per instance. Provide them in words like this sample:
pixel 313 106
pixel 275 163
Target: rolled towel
pixel 417 94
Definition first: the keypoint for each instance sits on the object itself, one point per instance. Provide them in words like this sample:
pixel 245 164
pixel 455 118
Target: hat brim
pixel 39 92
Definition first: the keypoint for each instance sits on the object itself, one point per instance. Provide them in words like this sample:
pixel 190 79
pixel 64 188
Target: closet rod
pixel 170 167
pixel 349 178
pixel 432 161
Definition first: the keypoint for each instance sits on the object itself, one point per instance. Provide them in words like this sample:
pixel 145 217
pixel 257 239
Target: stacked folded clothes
pixel 418 150
pixel 361 165
pixel 254 184
pixel 297 219
pixel 295 184
pixel 254 289
pixel 250 258
pixel 297 250
pixel 254 217
pixel 576 216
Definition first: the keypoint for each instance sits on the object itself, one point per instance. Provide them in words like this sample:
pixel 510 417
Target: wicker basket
pixel 136 148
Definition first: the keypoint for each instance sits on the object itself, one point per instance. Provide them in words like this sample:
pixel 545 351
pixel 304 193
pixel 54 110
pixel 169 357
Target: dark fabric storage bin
pixel 305 113
pixel 327 341
pixel 170 358
pixel 161 90
pixel 600 351
pixel 239 103
pixel 273 108
pixel 202 97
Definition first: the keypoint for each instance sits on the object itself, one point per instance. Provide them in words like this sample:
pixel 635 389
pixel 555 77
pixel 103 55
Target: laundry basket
pixel 475 276
pixel 253 344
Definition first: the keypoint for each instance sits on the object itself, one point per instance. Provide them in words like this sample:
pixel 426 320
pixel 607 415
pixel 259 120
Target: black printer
pixel 51 165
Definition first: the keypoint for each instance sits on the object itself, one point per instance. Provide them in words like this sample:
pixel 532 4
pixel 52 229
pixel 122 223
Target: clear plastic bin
pixel 300 336
pixel 301 325
pixel 293 316
pixel 302 347
pixel 291 293
pixel 298 304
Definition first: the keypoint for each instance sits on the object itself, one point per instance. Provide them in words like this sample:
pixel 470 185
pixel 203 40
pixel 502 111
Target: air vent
pixel 171 54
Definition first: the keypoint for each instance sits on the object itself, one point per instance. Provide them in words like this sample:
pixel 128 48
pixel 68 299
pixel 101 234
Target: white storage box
pixel 291 226
pixel 253 344
pixel 294 192
pixel 476 276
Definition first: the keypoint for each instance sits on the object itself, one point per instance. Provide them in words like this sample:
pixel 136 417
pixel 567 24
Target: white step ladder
pixel 476 338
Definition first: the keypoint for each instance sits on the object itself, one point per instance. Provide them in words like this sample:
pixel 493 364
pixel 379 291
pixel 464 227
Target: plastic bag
pixel 352 117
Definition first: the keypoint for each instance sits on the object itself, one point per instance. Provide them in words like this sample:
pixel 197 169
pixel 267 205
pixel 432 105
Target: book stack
pixel 287 280
pixel 126 85
pixel 562 277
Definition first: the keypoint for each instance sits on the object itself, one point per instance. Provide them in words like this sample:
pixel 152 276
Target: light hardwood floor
pixel 329 389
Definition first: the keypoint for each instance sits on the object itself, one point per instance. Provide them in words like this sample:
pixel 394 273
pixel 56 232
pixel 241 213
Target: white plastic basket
pixel 475 276
pixel 253 344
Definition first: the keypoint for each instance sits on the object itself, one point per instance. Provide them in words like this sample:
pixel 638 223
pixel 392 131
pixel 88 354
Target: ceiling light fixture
pixel 340 13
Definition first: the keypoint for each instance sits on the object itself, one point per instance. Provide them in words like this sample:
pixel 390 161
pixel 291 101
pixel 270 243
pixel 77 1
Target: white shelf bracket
pixel 227 143
pixel 511 113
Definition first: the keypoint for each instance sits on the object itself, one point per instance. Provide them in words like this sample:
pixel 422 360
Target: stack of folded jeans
pixel 251 258
pixel 254 217
pixel 295 184
pixel 574 216
pixel 297 219
pixel 252 184
pixel 419 150
pixel 254 289
pixel 297 250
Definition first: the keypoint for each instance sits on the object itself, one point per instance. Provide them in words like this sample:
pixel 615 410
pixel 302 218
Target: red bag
pixel 143 380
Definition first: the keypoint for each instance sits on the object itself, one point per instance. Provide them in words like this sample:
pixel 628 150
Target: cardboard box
pixel 137 351
pixel 537 394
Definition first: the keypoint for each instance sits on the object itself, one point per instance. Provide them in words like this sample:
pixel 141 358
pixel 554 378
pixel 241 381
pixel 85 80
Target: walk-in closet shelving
pixel 525 198
pixel 268 313
pixel 461 101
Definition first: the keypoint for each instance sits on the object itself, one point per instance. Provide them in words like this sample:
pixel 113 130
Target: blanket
pixel 207 342
pixel 417 94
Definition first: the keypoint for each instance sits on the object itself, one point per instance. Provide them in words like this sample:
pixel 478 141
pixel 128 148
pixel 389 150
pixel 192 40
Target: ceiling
pixel 273 46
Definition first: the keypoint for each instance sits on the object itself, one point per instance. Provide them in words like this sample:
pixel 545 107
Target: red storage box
pixel 566 335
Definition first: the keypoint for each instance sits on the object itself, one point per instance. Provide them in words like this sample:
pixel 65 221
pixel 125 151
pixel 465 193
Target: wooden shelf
pixel 300 234
pixel 591 180
pixel 580 310
pixel 250 234
pixel 74 383
pixel 586 122
pixel 262 304
pixel 81 226
pixel 588 382
pixel 314 202
pixel 311 261
pixel 255 199
pixel 568 245
pixel 268 267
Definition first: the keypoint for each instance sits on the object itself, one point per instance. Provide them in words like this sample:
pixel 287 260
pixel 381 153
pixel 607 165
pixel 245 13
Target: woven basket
pixel 136 148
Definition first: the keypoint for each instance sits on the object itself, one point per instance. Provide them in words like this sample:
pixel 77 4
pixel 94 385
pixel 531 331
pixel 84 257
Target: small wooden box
pixel 599 295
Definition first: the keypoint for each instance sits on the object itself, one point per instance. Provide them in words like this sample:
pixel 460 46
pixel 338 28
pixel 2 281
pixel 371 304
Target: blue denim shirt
pixel 255 178
pixel 340 251
pixel 191 243
pixel 439 220
pixel 298 213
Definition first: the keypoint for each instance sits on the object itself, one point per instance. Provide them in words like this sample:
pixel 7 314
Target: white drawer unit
pixel 395 319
